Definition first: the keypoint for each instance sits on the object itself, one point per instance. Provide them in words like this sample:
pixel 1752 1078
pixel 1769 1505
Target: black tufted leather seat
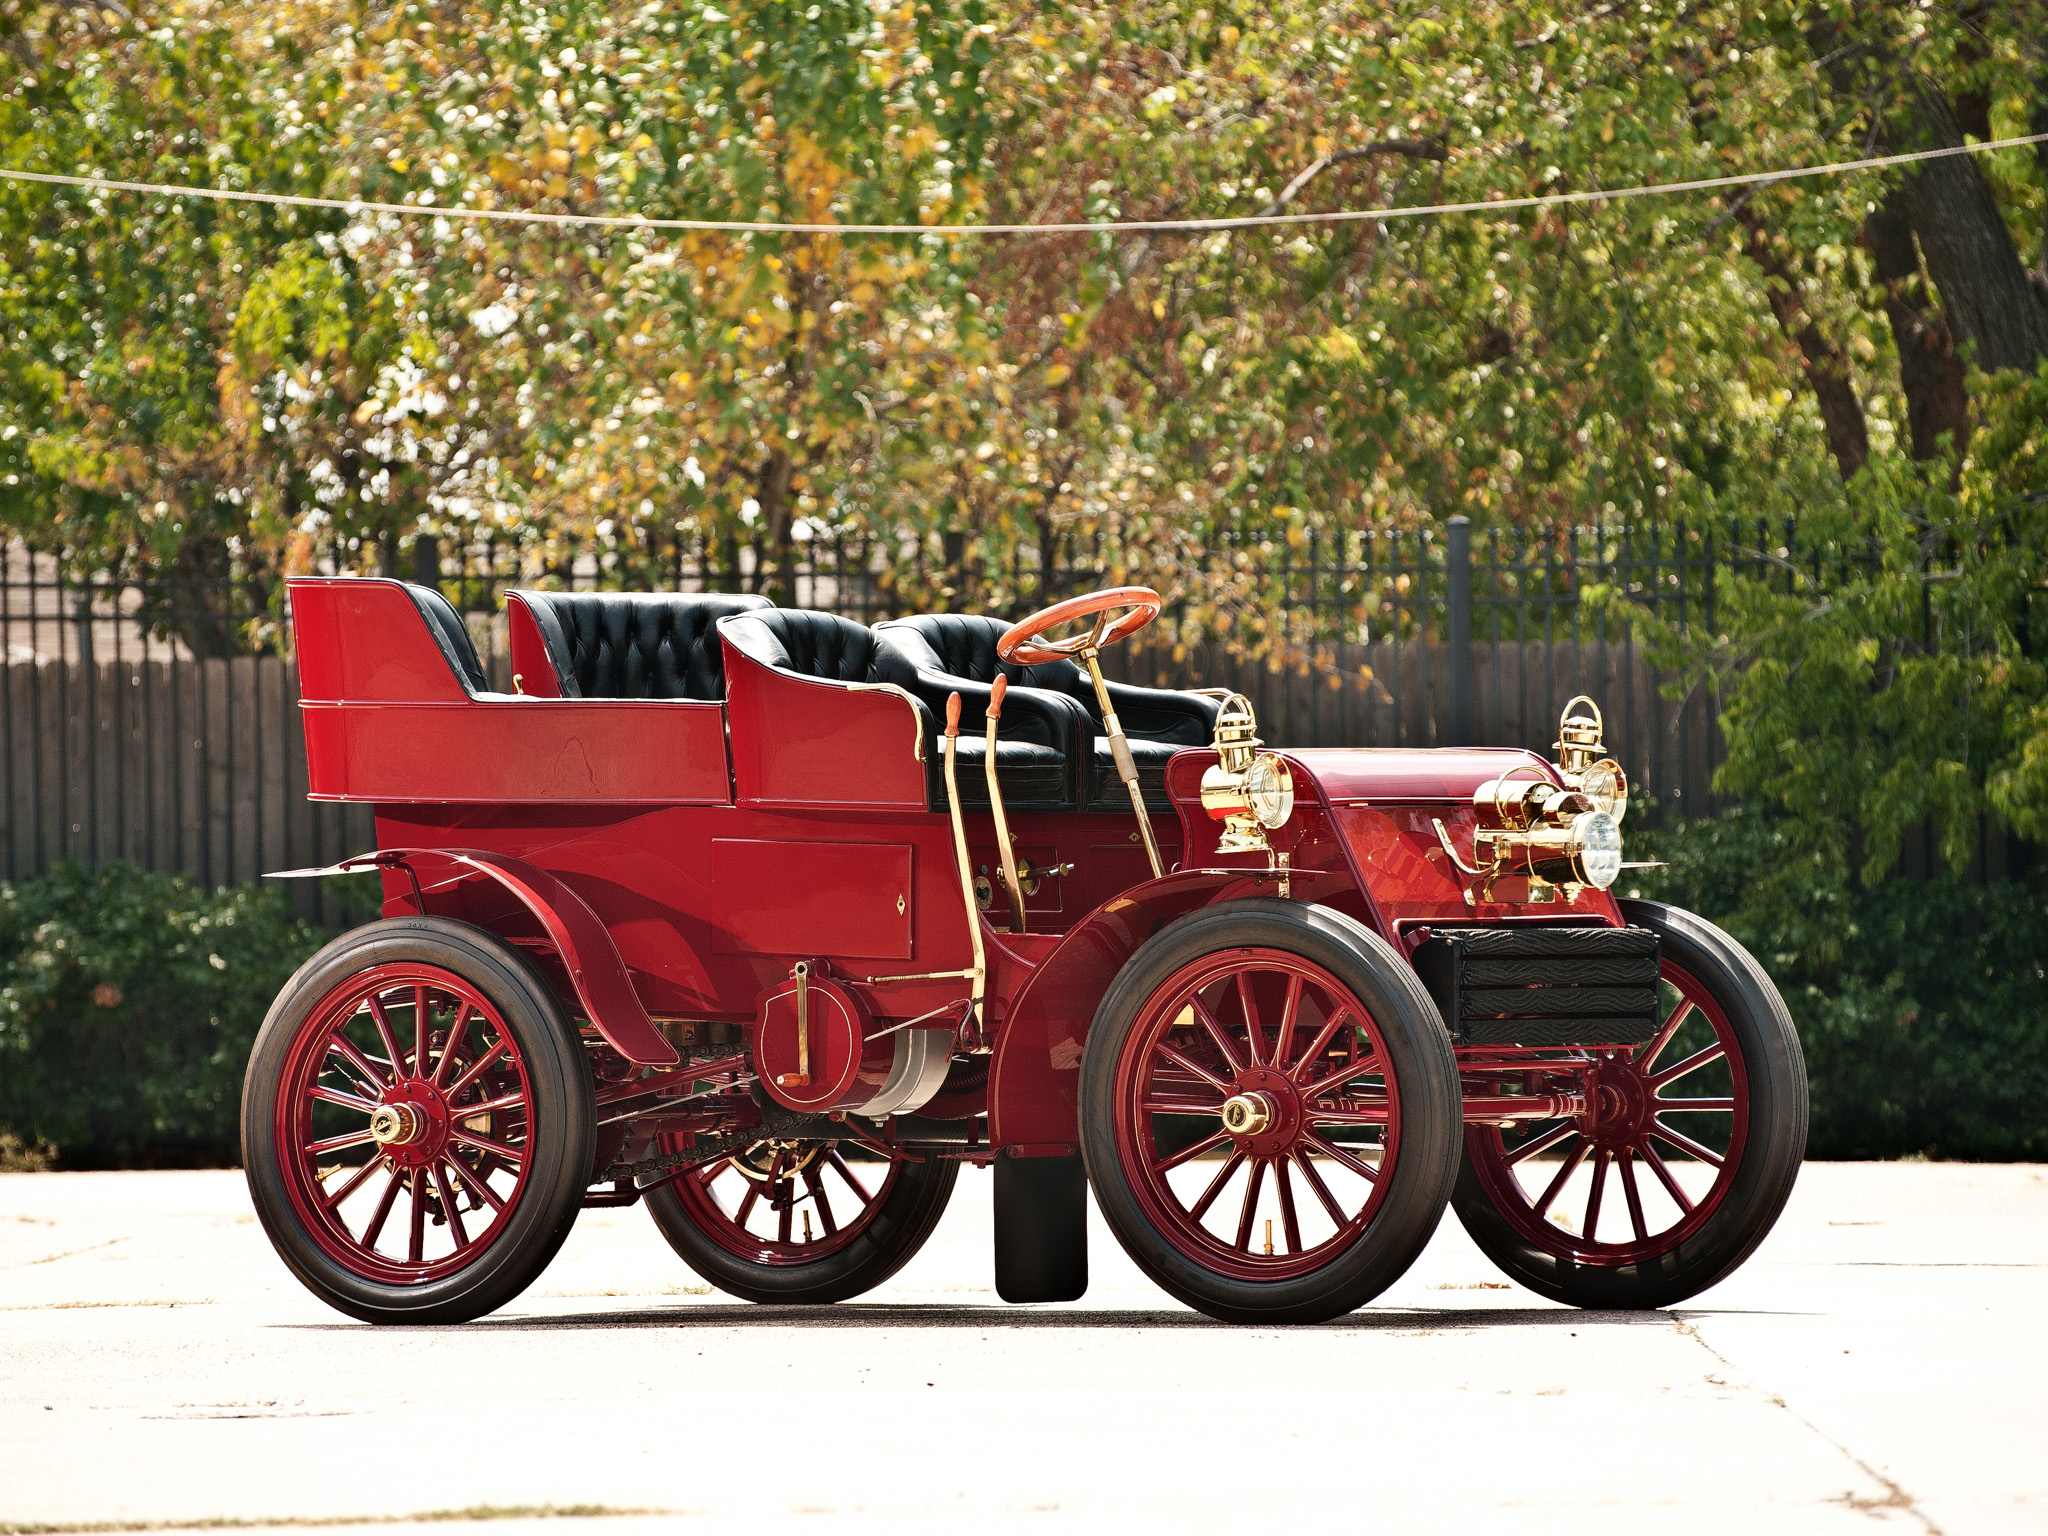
pixel 636 645
pixel 1157 722
pixel 451 635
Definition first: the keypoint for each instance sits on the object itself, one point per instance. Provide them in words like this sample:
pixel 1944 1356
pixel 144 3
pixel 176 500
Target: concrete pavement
pixel 1879 1364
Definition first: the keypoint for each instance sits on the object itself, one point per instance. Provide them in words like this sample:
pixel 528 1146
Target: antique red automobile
pixel 772 920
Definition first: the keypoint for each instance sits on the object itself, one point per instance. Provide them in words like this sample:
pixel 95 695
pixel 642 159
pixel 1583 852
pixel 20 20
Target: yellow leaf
pixel 1057 375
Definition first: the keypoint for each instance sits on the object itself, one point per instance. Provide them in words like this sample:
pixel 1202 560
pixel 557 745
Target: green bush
pixel 128 1001
pixel 1922 1004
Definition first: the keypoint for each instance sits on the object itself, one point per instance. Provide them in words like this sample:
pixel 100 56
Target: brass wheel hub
pixel 1247 1114
pixel 397 1125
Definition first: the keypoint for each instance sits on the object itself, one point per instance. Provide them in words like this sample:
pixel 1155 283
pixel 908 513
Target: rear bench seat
pixel 629 645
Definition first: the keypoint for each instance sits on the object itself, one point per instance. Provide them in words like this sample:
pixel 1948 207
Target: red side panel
pixel 799 741
pixel 533 672
pixel 494 750
pixel 362 638
pixel 851 900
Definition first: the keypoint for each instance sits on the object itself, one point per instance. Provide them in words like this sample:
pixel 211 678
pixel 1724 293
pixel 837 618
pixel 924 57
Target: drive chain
pixel 711 1149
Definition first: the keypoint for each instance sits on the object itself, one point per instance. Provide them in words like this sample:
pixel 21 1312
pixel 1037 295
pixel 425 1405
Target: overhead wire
pixel 1148 227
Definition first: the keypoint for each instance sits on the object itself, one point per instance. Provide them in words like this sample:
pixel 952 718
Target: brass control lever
pixel 973 907
pixel 1000 687
pixel 1126 766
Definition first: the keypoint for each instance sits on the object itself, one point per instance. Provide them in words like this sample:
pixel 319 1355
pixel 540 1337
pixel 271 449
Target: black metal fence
pixel 152 717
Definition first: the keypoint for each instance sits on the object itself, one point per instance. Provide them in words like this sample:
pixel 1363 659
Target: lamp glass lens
pixel 1599 841
pixel 1270 789
pixel 1607 787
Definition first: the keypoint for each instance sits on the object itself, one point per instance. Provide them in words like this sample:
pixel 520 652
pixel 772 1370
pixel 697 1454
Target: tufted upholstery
pixel 813 644
pixel 451 635
pixel 1157 722
pixel 636 645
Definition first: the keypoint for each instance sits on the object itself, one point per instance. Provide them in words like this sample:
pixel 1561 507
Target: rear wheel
pixel 417 1123
pixel 1269 1112
pixel 802 1221
pixel 1687 1153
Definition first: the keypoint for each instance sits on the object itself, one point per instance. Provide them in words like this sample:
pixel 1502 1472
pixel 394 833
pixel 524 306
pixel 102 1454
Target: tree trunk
pixel 772 491
pixel 2037 122
pixel 1827 366
pixel 1970 255
pixel 1930 372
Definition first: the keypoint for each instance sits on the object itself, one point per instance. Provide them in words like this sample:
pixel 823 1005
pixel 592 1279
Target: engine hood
pixel 1347 775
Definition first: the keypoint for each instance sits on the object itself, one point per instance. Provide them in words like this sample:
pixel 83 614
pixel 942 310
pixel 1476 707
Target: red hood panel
pixel 1406 773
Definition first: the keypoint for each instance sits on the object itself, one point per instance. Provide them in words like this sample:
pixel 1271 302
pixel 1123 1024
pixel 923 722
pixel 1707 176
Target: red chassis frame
pixel 673 860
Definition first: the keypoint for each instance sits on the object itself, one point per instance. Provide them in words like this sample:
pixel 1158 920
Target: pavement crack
pixel 71 1254
pixel 1895 1496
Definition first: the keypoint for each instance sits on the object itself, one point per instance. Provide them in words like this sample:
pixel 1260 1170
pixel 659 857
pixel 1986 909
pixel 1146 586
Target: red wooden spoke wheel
pixel 1133 608
pixel 801 1221
pixel 417 1122
pixel 402 1123
pixel 1279 1074
pixel 1684 1156
pixel 1269 1112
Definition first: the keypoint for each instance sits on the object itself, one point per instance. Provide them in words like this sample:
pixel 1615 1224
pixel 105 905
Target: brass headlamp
pixel 1583 763
pixel 1249 791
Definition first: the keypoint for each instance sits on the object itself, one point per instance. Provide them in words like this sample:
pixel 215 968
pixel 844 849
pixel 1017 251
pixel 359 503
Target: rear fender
pixel 588 954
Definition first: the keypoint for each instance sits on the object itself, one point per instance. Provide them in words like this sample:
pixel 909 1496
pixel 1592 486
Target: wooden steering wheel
pixel 1118 613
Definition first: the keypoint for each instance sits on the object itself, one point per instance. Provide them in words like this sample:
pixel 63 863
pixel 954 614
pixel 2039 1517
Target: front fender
pixel 588 954
pixel 1035 1075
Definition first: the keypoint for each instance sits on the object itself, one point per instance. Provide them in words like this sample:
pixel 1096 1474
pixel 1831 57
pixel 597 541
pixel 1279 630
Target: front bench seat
pixel 636 645
pixel 1157 722
pixel 1034 771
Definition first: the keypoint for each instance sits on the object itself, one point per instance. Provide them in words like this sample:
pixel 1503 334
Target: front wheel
pixel 1687 1153
pixel 417 1122
pixel 1270 1112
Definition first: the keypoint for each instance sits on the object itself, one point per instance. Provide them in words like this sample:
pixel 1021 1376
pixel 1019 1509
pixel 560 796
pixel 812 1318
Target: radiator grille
pixel 1543 985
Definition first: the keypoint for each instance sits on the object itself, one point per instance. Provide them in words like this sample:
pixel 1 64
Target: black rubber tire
pixel 890 1241
pixel 561 1141
pixel 1773 1150
pixel 1425 1071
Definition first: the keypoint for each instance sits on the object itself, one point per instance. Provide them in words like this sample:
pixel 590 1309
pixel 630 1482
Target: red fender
pixel 588 953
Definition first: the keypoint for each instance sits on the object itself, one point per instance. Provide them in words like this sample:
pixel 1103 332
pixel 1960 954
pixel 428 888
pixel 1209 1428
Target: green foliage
pixel 128 1003
pixel 1922 1004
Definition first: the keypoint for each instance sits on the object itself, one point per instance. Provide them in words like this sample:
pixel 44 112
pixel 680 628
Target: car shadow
pixel 1013 1319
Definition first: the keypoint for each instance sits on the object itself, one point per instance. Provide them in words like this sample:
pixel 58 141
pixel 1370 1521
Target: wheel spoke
pixel 1331 1150
pixel 1342 1075
pixel 846 1173
pixel 513 1155
pixel 360 1138
pixel 452 1047
pixel 1189 1154
pixel 1283 1038
pixel 1375 1112
pixel 1593 1196
pixel 477 1183
pixel 739 1217
pixel 785 1194
pixel 1651 1156
pixel 340 1042
pixel 1187 1064
pixel 1647 1057
pixel 450 1207
pixel 1542 1143
pixel 1706 1155
pixel 345 1100
pixel 352 1184
pixel 1159 1106
pixel 1316 1046
pixel 383 1212
pixel 1627 1164
pixel 1284 1187
pixel 487 1106
pixel 1692 1106
pixel 1251 1201
pixel 1315 1182
pixel 384 1033
pixel 1571 1166
pixel 477 1069
pixel 416 1239
pixel 419 1029
pixel 1704 1057
pixel 1217 1033
pixel 1251 1021
pixel 1201 1206
pixel 816 1181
